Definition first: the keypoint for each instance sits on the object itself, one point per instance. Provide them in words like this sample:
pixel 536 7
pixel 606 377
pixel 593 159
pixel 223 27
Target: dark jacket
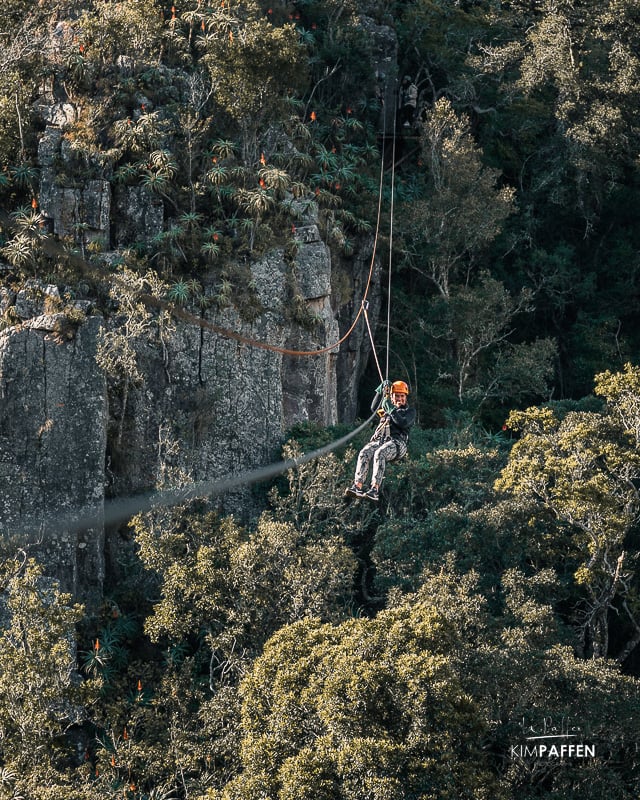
pixel 399 421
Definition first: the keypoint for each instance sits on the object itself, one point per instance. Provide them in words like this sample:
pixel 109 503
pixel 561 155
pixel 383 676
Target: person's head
pixel 399 392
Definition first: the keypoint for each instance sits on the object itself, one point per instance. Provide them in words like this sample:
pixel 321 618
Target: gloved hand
pixel 384 387
pixel 387 405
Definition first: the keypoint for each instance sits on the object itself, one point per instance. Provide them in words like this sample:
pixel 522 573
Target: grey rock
pixel 208 407
pixel 67 212
pixel 308 234
pixel 48 153
pixel 139 215
pixel 97 205
pixel 7 298
pixel 53 414
pixel 59 115
pixel 384 50
pixel 81 213
pixel 46 322
pixel 270 277
pixel 49 147
pixel 31 299
pixel 313 263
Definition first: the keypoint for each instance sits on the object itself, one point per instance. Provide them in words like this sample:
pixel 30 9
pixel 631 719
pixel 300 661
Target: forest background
pixel 325 650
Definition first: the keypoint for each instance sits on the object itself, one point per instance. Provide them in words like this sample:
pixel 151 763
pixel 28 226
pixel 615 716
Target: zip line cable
pixel 391 213
pixel 365 302
pixel 373 345
pixel 122 509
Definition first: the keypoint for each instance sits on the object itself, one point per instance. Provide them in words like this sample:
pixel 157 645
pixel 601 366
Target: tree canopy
pixel 324 650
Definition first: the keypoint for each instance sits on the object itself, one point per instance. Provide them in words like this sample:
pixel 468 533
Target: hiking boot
pixel 372 494
pixel 354 491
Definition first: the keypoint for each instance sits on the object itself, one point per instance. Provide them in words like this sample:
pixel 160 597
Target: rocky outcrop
pixel 139 216
pixel 196 405
pixel 210 406
pixel 79 213
pixel 202 406
pixel 309 383
pixel 53 420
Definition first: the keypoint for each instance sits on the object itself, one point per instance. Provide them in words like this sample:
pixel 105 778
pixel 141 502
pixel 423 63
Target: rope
pixel 373 344
pixel 54 249
pixel 185 316
pixel 365 303
pixel 117 511
pixel 391 213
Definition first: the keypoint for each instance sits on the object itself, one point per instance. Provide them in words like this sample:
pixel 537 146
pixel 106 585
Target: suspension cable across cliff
pixel 119 510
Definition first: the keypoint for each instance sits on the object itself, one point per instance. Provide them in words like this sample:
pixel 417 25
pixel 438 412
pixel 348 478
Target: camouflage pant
pixel 381 452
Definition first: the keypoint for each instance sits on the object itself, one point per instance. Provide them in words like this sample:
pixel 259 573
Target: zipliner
pixel 389 441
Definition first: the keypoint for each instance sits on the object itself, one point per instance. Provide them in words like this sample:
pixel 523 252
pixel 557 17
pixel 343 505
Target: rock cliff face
pixel 210 406
pixel 53 433
pixel 207 406
pixel 200 406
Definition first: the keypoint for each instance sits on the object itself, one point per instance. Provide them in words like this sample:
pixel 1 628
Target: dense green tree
pixel 41 697
pixel 460 208
pixel 235 588
pixel 581 469
pixel 253 65
pixel 426 700
pixel 465 328
pixel 565 132
pixel 371 708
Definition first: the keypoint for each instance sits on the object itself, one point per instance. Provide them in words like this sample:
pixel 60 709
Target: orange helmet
pixel 400 387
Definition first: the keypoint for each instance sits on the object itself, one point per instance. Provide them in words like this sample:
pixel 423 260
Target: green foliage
pixel 109 31
pixel 463 351
pixel 415 701
pixel 461 208
pixel 369 707
pixel 236 588
pixel 116 349
pixel 582 469
pixel 40 699
pixel 434 500
pixel 514 278
pixel 266 62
